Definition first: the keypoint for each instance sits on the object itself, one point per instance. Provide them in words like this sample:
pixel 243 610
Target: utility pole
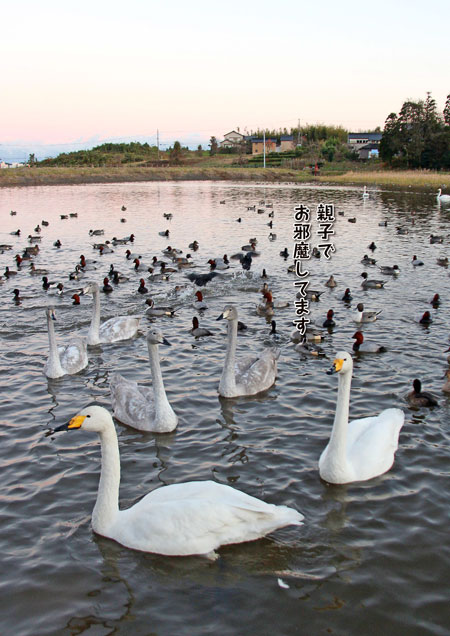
pixel 157 141
pixel 264 148
pixel 299 137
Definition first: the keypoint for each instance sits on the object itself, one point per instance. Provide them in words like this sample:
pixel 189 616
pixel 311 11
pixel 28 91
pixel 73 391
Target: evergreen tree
pixel 213 146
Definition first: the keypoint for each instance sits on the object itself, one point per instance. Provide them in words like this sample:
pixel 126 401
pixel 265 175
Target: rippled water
pixel 370 558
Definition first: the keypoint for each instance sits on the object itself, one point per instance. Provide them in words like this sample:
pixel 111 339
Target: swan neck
pixel 107 505
pixel 338 439
pixel 157 379
pixel 54 368
pixel 227 385
pixel 94 334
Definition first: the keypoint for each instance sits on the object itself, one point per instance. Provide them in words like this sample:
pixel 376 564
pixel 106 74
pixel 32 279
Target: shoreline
pixel 32 177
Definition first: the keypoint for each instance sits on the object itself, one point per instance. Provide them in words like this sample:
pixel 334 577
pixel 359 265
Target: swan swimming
pixel 443 198
pixel 191 518
pixel 140 406
pixel 112 330
pixel 67 359
pixel 250 375
pixel 363 448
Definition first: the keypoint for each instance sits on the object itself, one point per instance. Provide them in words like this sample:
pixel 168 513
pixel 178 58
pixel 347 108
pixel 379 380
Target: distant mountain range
pixel 21 150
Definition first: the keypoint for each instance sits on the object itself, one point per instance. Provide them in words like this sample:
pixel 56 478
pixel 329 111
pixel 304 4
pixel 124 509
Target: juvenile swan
pixel 250 375
pixel 139 406
pixel 194 517
pixel 112 330
pixel 360 449
pixel 67 359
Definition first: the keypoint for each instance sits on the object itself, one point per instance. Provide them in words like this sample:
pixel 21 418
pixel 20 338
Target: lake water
pixel 371 557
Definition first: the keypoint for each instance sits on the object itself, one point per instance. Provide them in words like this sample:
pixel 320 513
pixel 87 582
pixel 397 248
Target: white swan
pixel 250 375
pixel 67 359
pixel 365 193
pixel 112 330
pixel 360 449
pixel 190 518
pixel 443 198
pixel 139 406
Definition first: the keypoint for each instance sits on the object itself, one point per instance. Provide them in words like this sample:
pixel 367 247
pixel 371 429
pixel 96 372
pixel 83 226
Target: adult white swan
pixel 112 330
pixel 250 375
pixel 360 449
pixel 194 517
pixel 443 198
pixel 67 359
pixel 139 406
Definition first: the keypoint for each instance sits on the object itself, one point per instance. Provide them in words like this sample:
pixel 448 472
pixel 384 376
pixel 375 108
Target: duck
pixel 309 348
pixel 401 230
pixel 361 449
pixel 365 347
pixel 362 316
pixel 218 263
pixel 57 243
pixel 372 246
pixel 168 215
pixel 417 397
pixel 435 301
pixel 194 246
pixel 112 330
pixel 9 272
pixel 140 407
pixel 17 297
pixel 442 260
pixel 164 233
pixel 142 289
pixel 201 279
pixel 446 386
pixel 107 288
pixel 371 283
pixel 387 270
pixel 87 264
pixel 331 282
pixel 45 223
pixel 96 232
pixel 104 249
pixel 73 215
pixel 77 274
pixel 199 304
pixel 272 236
pixel 383 223
pixel 139 266
pixel 434 238
pixel 367 260
pixel 250 375
pixel 63 217
pixel 442 198
pixel 329 322
pixel 33 239
pixel 198 331
pixel 76 299
pixel 425 319
pixel 352 219
pixel 347 297
pixel 416 261
pixel 189 518
pixel 312 294
pixel 13 233
pixel 156 312
pixel 284 253
pixel 67 359
pixel 130 256
pixel 46 284
pixel 316 252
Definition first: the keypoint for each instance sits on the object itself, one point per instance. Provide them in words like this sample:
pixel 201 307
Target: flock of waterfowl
pixel 198 517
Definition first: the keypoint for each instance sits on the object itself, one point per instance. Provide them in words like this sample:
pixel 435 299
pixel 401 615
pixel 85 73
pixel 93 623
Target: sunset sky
pixel 72 71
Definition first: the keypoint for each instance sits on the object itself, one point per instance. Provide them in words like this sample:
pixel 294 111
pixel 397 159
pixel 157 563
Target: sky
pixel 78 71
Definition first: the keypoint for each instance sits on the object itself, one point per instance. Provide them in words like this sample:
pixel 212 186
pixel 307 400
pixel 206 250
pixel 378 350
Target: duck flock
pixel 164 282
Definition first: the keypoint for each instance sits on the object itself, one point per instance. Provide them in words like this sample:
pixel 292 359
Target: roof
pixel 365 135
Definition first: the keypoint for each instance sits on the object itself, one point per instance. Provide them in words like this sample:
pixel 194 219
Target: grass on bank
pixel 419 179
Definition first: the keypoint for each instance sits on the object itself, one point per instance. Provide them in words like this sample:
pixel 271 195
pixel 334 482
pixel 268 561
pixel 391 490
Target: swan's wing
pixel 372 442
pixel 198 517
pixel 132 404
pixel 257 374
pixel 73 355
pixel 119 328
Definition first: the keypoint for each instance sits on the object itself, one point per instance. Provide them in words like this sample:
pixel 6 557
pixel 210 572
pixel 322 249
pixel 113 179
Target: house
pixel 284 143
pixel 365 144
pixel 232 139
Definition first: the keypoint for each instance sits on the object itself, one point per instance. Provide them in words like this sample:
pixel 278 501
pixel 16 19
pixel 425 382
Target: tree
pixel 213 146
pixel 32 159
pixel 199 150
pixel 447 111
pixel 175 152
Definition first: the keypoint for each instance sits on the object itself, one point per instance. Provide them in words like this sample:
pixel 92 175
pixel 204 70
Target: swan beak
pixel 166 342
pixel 75 422
pixel 220 317
pixel 337 366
